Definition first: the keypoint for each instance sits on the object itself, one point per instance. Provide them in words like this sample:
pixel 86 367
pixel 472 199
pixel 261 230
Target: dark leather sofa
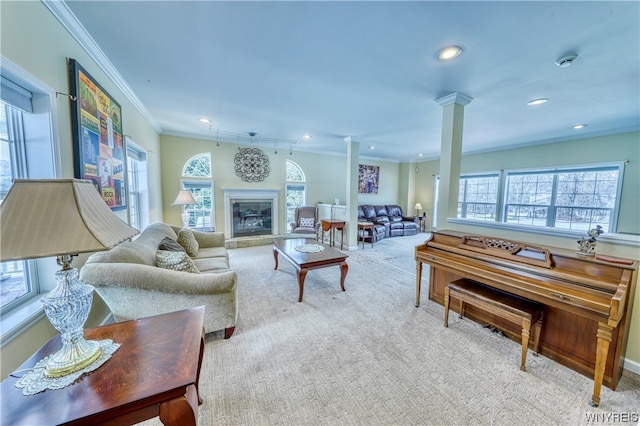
pixel 388 221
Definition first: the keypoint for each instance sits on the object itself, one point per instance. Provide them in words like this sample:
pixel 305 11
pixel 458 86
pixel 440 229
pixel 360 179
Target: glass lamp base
pixel 72 357
pixel 185 219
pixel 67 307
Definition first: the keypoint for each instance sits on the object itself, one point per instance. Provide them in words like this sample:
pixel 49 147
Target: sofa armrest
pixel 209 239
pixel 153 278
pixel 411 218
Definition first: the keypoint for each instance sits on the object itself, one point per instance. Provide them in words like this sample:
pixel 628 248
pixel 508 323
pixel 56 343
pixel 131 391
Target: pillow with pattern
pixel 188 241
pixel 170 244
pixel 306 222
pixel 175 260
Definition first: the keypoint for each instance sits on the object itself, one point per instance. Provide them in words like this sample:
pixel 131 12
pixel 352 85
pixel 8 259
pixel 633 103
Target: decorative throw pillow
pixel 170 244
pixel 306 222
pixel 188 241
pixel 175 260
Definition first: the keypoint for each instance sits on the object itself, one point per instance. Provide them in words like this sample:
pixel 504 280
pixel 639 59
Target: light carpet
pixel 368 356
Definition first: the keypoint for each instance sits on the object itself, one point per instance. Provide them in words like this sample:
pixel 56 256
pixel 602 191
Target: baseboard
pixel 632 366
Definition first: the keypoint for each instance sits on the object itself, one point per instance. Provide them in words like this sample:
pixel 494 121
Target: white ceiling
pixel 368 70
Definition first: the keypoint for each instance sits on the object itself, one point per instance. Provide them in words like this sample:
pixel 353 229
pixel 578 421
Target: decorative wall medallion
pixel 251 165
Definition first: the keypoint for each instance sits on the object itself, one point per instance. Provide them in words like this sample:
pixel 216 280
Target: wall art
pixel 251 164
pixel 98 142
pixel 368 179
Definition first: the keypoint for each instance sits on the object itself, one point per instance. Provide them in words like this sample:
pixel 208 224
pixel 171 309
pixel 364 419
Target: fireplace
pixel 250 212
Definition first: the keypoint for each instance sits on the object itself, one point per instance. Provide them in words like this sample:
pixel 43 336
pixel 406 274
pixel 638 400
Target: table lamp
pixel 418 207
pixel 184 199
pixel 62 218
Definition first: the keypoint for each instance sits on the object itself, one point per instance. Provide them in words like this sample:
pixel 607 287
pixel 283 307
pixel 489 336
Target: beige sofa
pixel 133 286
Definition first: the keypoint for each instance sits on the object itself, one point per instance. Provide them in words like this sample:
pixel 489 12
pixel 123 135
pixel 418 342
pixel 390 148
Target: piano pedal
pixel 486 326
pixel 500 333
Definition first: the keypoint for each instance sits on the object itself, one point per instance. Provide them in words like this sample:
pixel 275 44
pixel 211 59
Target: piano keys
pixel 586 298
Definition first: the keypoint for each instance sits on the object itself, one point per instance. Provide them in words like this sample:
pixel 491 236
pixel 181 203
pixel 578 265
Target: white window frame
pixel 293 186
pixel 44 161
pixel 196 181
pixel 544 230
pixel 138 185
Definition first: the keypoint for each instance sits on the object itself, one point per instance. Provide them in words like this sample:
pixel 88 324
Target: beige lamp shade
pixel 418 206
pixel 43 218
pixel 184 198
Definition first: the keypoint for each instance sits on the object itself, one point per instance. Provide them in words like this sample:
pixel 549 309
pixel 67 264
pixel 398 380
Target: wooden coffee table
pixel 154 373
pixel 303 262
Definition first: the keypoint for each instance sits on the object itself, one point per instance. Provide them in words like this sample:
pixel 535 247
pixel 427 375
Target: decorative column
pixel 353 159
pixel 450 155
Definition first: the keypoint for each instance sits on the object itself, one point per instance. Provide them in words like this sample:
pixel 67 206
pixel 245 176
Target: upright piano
pixel 588 299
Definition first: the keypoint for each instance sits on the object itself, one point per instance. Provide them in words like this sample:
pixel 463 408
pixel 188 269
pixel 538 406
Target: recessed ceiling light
pixel 579 126
pixel 449 53
pixel 306 136
pixel 372 147
pixel 538 101
pixel 205 120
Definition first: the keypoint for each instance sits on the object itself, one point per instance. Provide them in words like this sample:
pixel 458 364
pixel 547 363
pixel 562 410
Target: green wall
pixel 34 40
pixel 325 176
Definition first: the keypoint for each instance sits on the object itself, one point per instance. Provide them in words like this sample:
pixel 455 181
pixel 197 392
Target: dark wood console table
pixel 154 373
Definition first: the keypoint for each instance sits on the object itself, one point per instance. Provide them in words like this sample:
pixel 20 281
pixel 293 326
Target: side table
pixel 363 226
pixel 155 372
pixel 331 225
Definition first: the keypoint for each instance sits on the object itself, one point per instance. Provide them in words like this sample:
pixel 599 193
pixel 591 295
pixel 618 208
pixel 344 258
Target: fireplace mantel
pixel 249 194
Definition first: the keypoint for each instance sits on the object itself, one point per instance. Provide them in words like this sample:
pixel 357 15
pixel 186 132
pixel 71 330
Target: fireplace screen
pixel 251 217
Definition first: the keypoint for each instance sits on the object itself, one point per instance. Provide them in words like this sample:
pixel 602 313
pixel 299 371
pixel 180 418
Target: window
pixel 295 190
pixel 478 198
pixel 15 279
pixel 198 169
pixel 138 188
pixel 576 199
pixel 26 151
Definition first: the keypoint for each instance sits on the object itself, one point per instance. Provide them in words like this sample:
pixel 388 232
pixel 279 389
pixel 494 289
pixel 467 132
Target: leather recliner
pixel 388 220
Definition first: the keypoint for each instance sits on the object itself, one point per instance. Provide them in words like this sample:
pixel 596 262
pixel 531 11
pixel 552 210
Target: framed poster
pixel 98 142
pixel 368 179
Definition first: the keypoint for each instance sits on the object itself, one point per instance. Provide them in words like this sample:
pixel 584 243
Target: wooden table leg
pixel 604 335
pixel 302 274
pixel 181 411
pixel 275 256
pixel 446 304
pixel 526 330
pixel 344 268
pixel 418 282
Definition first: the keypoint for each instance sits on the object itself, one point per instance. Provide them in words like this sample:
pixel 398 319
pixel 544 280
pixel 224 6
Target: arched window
pixel 295 190
pixel 198 166
pixel 196 175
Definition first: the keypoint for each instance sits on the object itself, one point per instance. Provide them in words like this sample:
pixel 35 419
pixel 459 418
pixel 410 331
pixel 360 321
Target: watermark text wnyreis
pixel 622 417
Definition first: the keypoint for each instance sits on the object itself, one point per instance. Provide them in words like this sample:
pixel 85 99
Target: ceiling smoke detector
pixel 565 61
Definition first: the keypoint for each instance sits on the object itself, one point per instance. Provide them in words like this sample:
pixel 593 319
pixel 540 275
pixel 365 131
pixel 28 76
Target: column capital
pixel 455 97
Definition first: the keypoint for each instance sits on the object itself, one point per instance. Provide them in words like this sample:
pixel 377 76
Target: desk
pixel 331 225
pixel 155 372
pixel 363 226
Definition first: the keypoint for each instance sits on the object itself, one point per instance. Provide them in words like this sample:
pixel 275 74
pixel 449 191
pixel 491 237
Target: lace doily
pixel 310 248
pixel 35 381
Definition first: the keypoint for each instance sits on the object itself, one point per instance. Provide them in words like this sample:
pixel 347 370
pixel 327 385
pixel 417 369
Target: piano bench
pixel 504 305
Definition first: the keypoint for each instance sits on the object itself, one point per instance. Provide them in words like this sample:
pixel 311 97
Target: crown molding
pixel 63 14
